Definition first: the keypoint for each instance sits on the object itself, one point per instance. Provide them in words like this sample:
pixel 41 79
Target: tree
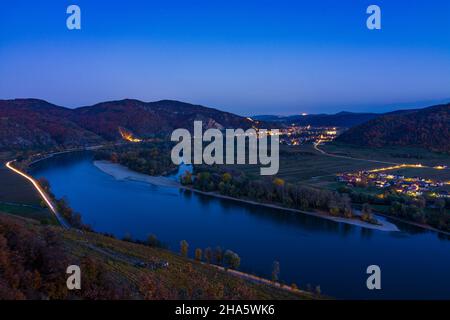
pixel 366 213
pixel 186 178
pixel 278 182
pixel 202 181
pixel 333 208
pixel 208 255
pixel 218 255
pixel 421 202
pixel 43 182
pixel 275 271
pixel 114 157
pixel 43 204
pixel 440 204
pixel 318 291
pixel 347 206
pixel 198 254
pixel 127 237
pixel 366 208
pixel 226 177
pixel 184 248
pixel 153 241
pixel 231 259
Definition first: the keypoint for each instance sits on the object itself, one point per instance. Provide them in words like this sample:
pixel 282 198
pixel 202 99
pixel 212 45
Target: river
pixel 415 263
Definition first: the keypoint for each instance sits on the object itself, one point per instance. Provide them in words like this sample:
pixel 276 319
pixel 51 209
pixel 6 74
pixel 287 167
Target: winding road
pixel 36 185
pixel 316 147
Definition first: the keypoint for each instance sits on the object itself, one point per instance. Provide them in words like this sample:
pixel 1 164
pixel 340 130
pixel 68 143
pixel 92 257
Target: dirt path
pixel 316 147
pixel 245 276
pixel 259 280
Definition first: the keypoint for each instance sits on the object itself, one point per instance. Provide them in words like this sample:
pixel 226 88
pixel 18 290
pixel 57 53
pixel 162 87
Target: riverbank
pixel 385 225
pixel 416 224
pixel 120 172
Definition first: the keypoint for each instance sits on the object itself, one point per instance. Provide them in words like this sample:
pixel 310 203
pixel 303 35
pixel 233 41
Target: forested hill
pixel 427 128
pixel 26 123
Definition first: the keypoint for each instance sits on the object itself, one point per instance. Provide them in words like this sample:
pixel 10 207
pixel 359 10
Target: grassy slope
pixel 184 278
pixel 390 154
pixel 398 155
pixel 13 188
pixel 303 163
pixel 32 212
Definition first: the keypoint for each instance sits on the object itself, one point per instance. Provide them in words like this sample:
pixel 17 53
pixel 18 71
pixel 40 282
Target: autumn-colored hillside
pixel 34 258
pixel 427 128
pixel 152 118
pixel 33 123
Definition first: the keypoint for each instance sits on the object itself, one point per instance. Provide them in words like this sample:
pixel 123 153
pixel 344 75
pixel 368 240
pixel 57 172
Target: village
pixel 297 135
pixel 411 186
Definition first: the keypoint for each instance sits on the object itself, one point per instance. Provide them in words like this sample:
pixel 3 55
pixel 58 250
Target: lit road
pixel 46 199
pixel 41 192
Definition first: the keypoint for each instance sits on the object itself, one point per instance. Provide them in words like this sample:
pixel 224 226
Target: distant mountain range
pixel 427 128
pixel 341 119
pixel 37 123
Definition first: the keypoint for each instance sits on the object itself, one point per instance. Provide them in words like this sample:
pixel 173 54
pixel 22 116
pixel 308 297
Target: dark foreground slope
pixel 426 128
pixel 34 258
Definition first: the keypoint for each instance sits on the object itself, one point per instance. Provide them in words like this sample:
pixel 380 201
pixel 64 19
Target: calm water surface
pixel 414 263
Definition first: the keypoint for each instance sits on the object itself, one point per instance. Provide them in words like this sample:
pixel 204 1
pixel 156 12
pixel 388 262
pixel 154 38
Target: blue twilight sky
pixel 247 57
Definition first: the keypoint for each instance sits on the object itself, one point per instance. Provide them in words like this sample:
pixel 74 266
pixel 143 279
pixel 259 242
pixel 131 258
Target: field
pixel 303 164
pixel 399 155
pixel 18 196
pixel 390 154
pixel 40 214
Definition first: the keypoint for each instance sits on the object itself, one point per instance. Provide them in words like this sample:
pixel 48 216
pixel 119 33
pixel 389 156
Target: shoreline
pixel 120 172
pixel 412 223
pixel 386 226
